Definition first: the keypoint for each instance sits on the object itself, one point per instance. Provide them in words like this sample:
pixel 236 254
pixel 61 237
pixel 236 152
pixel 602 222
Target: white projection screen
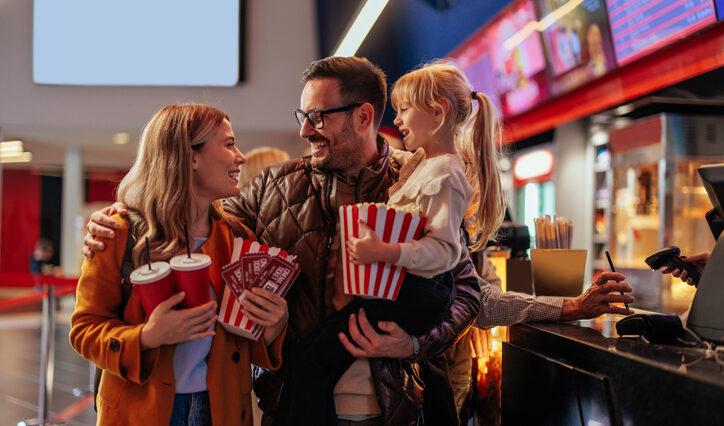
pixel 138 42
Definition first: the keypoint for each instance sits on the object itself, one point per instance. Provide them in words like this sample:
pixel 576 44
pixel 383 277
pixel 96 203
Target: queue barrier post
pixel 47 360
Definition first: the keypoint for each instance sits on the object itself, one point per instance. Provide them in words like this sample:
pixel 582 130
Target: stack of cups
pixel 153 285
pixel 191 274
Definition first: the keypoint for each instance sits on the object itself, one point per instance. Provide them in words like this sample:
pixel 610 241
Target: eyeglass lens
pixel 314 117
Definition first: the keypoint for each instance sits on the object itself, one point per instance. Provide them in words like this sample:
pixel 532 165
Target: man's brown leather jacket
pixel 293 206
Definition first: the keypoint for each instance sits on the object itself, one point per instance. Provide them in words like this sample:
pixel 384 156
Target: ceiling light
pixel 360 27
pixel 121 139
pixel 533 165
pixel 11 148
pixel 23 157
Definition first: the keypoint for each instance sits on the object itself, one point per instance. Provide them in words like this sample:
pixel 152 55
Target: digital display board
pixel 137 42
pixel 474 60
pixel 720 9
pixel 639 27
pixel 517 58
pixel 577 41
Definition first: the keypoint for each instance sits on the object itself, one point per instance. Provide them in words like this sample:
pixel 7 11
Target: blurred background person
pixel 40 259
pixel 259 158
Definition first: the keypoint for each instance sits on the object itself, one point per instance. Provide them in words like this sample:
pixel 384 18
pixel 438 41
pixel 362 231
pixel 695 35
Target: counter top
pixel 600 335
pixel 583 373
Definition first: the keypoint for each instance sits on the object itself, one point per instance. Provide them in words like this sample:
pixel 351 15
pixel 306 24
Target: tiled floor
pixel 19 370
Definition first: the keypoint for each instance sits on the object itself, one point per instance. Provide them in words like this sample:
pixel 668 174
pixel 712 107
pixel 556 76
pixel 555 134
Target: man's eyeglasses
pixel 316 116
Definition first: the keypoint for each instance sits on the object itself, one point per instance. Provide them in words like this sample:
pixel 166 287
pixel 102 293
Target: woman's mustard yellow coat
pixel 137 387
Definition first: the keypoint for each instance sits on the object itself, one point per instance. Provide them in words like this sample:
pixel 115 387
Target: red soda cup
pixel 192 277
pixel 153 285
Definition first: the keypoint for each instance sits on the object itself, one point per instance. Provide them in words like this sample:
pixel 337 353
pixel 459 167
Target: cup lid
pixel 183 263
pixel 143 275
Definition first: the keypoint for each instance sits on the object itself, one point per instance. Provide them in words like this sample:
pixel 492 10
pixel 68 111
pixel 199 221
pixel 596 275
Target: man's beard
pixel 345 157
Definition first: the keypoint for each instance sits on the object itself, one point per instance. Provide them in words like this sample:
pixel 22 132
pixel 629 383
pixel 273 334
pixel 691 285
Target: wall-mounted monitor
pixel 639 27
pixel 517 58
pixel 474 59
pixel 137 42
pixel 719 9
pixel 577 41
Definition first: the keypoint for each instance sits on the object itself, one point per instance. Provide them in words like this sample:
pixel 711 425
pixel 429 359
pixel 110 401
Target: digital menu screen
pixel 577 41
pixel 720 9
pixel 474 60
pixel 137 42
pixel 517 59
pixel 639 27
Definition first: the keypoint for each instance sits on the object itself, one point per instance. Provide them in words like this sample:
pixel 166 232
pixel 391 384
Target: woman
pixel 175 366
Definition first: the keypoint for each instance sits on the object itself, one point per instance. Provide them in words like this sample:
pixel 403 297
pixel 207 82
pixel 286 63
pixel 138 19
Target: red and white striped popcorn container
pixel 377 280
pixel 230 315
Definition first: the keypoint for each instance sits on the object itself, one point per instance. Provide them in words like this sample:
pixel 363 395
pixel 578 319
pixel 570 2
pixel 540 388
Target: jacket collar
pixel 218 247
pixel 371 174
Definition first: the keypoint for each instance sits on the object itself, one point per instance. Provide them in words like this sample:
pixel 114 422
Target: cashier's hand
pixel 101 225
pixel 598 299
pixel 365 342
pixel 698 259
pixel 267 309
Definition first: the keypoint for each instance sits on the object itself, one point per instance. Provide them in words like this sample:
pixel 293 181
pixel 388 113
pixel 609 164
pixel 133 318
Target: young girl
pixel 434 106
pixel 174 366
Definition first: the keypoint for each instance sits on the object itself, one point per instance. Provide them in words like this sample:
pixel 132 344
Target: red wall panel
pixel 20 219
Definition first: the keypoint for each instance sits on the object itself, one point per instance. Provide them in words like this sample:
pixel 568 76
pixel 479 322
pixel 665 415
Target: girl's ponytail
pixel 482 171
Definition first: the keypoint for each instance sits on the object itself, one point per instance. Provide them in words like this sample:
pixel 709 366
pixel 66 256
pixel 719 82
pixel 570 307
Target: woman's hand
pixel 370 248
pixel 266 309
pixel 167 326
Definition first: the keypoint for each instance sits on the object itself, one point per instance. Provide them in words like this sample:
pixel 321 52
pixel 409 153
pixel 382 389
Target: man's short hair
pixel 359 80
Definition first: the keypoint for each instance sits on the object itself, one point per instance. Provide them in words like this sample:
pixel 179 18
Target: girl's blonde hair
pixel 257 159
pixel 477 135
pixel 159 185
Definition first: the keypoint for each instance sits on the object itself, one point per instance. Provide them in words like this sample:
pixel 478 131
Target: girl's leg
pixel 313 368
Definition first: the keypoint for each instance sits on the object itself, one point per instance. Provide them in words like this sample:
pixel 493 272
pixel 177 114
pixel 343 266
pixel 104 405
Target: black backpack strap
pixel 126 288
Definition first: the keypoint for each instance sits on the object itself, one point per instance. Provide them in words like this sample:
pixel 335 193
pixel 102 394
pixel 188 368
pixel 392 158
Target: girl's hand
pixel 267 309
pixel 370 248
pixel 167 326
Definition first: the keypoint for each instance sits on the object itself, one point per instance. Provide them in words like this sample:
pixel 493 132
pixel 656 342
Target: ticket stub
pixel 233 275
pixel 240 275
pixel 253 265
pixel 278 276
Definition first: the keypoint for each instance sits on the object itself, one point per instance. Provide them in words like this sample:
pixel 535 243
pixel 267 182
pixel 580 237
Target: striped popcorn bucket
pixel 230 315
pixel 377 280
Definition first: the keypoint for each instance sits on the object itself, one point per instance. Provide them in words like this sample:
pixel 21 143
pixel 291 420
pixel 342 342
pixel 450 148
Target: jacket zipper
pixel 328 246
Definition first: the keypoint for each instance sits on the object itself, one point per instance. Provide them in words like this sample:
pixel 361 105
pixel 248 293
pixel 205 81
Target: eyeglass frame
pixel 322 113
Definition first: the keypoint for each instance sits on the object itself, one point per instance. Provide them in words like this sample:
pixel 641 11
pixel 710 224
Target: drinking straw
pixel 188 246
pixel 148 253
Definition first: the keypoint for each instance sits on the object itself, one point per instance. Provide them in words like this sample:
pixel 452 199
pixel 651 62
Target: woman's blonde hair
pixel 159 185
pixel 477 135
pixel 257 159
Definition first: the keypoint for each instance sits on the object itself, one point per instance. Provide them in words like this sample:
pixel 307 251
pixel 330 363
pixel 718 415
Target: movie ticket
pixel 278 276
pixel 240 275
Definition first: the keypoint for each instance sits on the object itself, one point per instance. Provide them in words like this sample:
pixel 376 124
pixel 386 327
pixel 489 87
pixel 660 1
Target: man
pixel 294 206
